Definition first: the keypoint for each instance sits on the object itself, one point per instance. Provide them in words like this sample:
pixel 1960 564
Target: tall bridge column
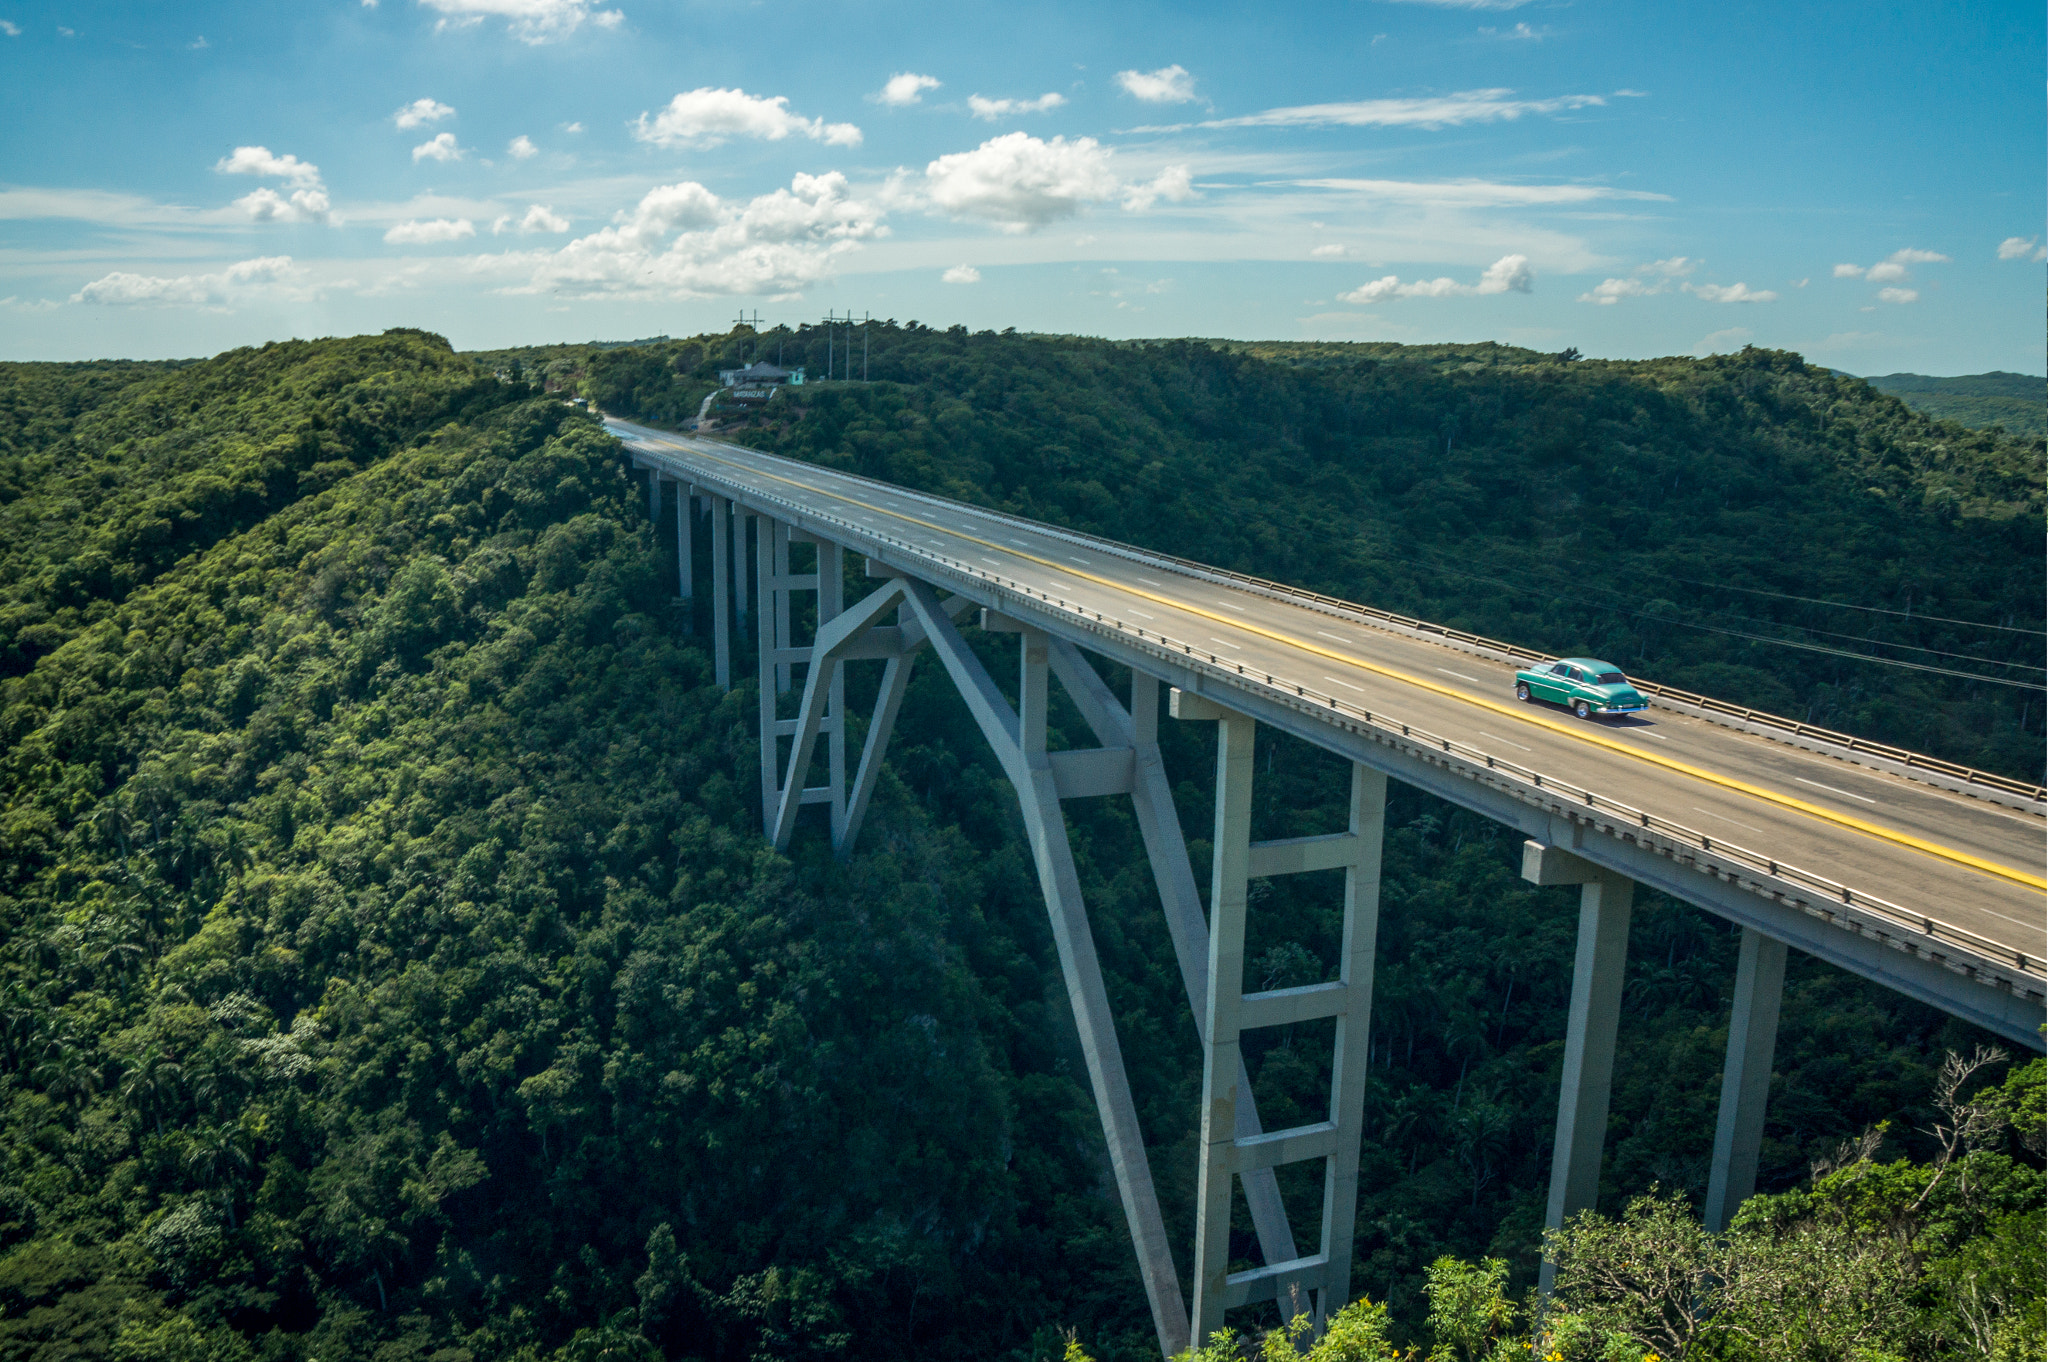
pixel 742 519
pixel 721 590
pixel 779 657
pixel 1225 1153
pixel 686 549
pixel 1746 1078
pixel 1595 1017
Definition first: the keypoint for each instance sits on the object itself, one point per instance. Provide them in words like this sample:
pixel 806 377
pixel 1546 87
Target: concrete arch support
pixel 1228 1154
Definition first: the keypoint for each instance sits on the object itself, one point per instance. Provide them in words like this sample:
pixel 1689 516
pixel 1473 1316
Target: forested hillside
pixel 390 966
pixel 2016 402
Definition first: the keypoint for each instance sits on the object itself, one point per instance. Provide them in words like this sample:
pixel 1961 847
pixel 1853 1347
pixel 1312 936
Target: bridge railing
pixel 1841 903
pixel 1512 652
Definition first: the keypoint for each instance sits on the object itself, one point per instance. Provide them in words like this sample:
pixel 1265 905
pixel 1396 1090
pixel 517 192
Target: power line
pixel 1844 605
pixel 1783 642
pixel 1803 628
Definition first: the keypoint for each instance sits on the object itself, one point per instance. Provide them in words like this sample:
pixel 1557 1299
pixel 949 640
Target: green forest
pixel 2014 402
pixel 391 967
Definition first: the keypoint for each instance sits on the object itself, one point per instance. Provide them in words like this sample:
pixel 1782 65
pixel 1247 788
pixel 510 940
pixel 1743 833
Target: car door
pixel 1554 684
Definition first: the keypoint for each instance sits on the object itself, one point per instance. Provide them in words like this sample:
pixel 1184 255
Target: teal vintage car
pixel 1587 686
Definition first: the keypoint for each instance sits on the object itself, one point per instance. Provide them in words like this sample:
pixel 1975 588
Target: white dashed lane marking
pixel 1832 790
pixel 1725 819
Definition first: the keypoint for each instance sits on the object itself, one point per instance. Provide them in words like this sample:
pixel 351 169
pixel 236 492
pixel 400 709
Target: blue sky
pixel 1861 183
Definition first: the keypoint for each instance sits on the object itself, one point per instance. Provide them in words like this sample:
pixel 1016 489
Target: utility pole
pixel 863 347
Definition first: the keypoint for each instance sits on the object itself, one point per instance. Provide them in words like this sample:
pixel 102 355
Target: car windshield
pixel 1612 679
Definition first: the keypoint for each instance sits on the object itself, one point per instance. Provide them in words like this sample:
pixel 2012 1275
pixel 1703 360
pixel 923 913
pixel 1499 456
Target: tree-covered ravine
pixel 391 967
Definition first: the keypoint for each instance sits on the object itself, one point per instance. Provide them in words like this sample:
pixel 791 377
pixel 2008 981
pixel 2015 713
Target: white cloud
pixel 441 148
pixel 539 218
pixel 1479 193
pixel 1167 85
pixel 263 161
pixel 1174 184
pixel 1897 295
pixel 420 112
pixel 530 21
pixel 431 232
pixel 1329 252
pixel 2019 248
pixel 1020 182
pixel 1608 292
pixel 308 201
pixel 572 127
pixel 304 205
pixel 1520 33
pixel 1730 293
pixel 235 283
pixel 1651 279
pixel 706 117
pixel 1893 267
pixel 905 87
pixel 683 241
pixel 521 148
pixel 11 29
pixel 1441 111
pixel 961 274
pixel 1719 341
pixel 1510 273
pixel 993 109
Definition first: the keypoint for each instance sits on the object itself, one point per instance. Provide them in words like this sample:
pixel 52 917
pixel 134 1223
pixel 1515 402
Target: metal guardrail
pixel 1917 761
pixel 1992 958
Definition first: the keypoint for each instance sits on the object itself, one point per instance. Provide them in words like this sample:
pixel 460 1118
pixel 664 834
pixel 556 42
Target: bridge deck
pixel 1963 861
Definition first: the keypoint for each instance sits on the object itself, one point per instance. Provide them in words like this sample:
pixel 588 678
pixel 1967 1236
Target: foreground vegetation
pixel 390 967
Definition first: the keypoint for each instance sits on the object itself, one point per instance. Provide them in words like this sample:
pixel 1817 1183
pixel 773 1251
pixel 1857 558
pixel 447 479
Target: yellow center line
pixel 1577 734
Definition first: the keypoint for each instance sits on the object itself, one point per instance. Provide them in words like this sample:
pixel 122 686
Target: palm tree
pixel 1411 1121
pixel 1481 1139
pixel 219 1158
pixel 68 1076
pixel 151 1085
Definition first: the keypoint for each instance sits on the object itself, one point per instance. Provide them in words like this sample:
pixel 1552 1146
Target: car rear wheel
pixel 1582 709
pixel 1522 691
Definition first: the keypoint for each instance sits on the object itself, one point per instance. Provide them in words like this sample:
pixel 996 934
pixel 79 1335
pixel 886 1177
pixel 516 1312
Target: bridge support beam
pixel 721 590
pixel 1746 1078
pixel 1605 903
pixel 1019 743
pixel 824 701
pixel 686 549
pixel 1226 1154
pixel 1173 875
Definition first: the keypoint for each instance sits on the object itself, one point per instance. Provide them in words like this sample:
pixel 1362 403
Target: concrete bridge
pixel 1916 873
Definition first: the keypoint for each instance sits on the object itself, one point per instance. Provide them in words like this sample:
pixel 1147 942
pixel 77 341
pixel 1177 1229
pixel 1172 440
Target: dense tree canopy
pixel 390 966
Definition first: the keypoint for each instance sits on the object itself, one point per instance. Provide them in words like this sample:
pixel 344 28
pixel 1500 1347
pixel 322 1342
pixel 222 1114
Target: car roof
pixel 1591 664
